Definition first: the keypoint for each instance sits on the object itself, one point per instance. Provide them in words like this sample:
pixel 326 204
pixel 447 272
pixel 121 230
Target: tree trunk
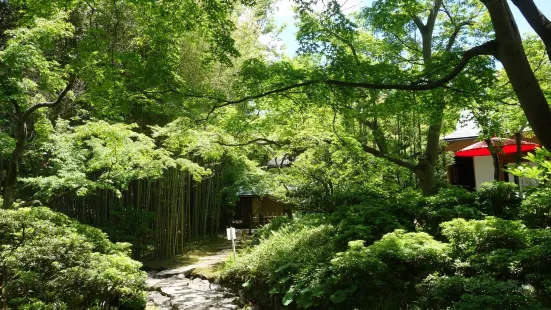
pixel 427 179
pixel 495 158
pixel 13 167
pixel 538 21
pixel 288 210
pixel 425 169
pixel 518 154
pixel 510 53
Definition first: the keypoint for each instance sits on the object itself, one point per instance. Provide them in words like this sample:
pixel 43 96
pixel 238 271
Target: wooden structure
pixel 254 210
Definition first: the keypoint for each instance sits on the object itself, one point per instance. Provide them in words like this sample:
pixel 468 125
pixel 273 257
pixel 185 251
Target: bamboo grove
pixel 161 217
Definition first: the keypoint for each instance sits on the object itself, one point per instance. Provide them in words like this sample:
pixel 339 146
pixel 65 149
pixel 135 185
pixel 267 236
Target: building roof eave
pixel 453 139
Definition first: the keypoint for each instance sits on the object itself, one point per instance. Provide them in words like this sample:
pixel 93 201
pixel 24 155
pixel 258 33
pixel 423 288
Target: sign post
pixel 231 236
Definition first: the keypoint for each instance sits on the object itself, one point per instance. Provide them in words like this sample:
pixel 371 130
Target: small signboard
pixel 230 233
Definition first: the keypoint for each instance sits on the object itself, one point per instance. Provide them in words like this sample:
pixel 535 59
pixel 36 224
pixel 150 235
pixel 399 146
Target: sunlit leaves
pixel 540 172
pixel 62 264
pixel 30 73
pixel 99 155
pixel 7 144
pixel 396 16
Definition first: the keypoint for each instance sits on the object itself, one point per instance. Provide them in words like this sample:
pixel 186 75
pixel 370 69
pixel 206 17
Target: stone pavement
pixel 169 292
pixel 178 288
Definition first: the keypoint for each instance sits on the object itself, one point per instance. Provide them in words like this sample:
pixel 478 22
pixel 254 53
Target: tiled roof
pixel 466 128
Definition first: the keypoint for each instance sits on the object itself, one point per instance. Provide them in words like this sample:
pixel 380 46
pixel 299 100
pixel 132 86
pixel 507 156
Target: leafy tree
pixel 348 52
pixel 31 76
pixel 335 37
pixel 540 172
pixel 97 155
pixel 107 59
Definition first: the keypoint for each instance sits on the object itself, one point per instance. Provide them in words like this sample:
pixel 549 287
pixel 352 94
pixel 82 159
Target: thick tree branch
pixel 488 48
pixel 249 98
pixel 419 23
pixel 377 153
pixel 455 33
pixel 378 135
pixel 515 62
pixel 50 104
pixel 431 20
pixel 259 141
pixel 538 21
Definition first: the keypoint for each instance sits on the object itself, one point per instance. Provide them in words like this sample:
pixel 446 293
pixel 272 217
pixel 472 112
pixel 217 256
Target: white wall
pixel 483 170
pixel 525 181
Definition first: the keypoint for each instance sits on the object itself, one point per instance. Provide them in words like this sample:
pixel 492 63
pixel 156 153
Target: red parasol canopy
pixel 505 146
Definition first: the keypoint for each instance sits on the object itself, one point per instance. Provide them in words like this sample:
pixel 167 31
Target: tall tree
pixel 508 49
pixel 113 59
pixel 30 78
pixel 505 44
pixel 343 51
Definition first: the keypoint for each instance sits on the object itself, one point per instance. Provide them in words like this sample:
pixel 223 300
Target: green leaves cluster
pixel 98 155
pixel 48 261
pixel 31 71
pixel 541 171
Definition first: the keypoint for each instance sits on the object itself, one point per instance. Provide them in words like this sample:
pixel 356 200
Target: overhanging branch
pixel 377 153
pixel 455 33
pixel 49 104
pixel 259 141
pixel 488 48
pixel 539 22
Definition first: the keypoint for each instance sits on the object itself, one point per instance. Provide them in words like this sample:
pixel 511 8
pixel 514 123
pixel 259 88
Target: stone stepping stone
pixel 173 289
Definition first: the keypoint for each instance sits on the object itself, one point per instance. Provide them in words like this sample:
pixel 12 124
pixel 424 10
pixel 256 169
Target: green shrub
pixel 296 271
pixel 461 260
pixel 274 270
pixel 506 250
pixel 356 196
pixel 368 222
pixel 48 261
pixel 499 199
pixel 417 251
pixel 534 261
pixel 480 292
pixel 373 277
pixel 274 225
pixel 449 203
pixel 535 210
pixel 483 236
pixel 487 246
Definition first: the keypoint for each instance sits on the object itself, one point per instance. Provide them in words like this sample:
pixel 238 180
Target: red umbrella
pixel 505 146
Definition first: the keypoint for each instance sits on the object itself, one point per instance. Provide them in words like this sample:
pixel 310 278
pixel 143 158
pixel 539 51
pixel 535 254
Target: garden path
pixel 184 288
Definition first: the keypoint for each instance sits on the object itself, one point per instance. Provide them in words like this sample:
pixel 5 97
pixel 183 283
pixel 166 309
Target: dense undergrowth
pixel 455 250
pixel 49 261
